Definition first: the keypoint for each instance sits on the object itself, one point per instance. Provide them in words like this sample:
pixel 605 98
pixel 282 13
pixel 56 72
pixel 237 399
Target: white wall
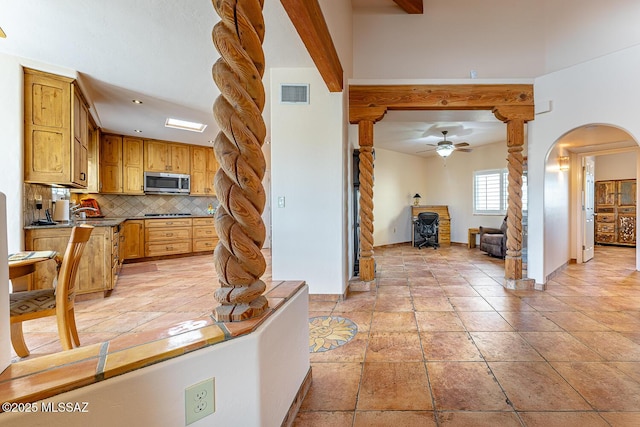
pixel 601 91
pixel 307 158
pixel 497 38
pixel 397 178
pixel 450 183
pixel 616 166
pixel 5 351
pixel 557 204
pixel 11 140
pixel 256 380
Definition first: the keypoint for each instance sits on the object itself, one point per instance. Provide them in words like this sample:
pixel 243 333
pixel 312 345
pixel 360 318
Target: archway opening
pixel 581 161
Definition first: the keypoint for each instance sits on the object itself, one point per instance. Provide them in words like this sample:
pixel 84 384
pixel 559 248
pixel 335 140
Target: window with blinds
pixel 490 194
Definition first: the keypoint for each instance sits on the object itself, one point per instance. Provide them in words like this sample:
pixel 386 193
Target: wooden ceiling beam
pixel 309 22
pixel 364 98
pixel 413 7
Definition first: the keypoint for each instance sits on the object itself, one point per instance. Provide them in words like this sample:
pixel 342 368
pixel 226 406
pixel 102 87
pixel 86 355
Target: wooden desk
pixel 24 267
pixel 444 226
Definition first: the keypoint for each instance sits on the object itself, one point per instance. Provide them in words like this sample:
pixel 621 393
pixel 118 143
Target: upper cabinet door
pixel 111 164
pixel 180 159
pixel 47 128
pixel 156 156
pixel 55 131
pixel 627 192
pixel 132 165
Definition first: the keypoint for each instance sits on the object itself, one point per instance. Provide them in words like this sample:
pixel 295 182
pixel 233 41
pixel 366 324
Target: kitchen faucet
pixel 80 212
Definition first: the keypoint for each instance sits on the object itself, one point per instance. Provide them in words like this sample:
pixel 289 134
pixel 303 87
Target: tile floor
pixel 439 341
pixel 148 296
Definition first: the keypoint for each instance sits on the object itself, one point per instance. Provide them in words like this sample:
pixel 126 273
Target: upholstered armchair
pixel 494 240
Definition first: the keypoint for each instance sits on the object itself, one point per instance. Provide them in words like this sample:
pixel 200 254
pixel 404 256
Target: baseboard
pixel 297 401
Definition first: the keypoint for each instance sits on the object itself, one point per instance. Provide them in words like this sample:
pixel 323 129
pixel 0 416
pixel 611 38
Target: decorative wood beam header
pixel 440 97
pixel 413 7
pixel 309 22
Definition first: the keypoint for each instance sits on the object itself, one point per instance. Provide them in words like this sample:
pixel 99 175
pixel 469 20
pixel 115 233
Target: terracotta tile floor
pixel 439 341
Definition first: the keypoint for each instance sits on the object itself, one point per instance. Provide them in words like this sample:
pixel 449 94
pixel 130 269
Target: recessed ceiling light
pixel 185 125
pixel 136 101
pixel 137 130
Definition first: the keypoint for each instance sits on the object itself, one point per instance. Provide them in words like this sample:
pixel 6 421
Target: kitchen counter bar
pixel 108 222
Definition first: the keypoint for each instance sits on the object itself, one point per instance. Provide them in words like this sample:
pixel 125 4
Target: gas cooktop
pixel 167 214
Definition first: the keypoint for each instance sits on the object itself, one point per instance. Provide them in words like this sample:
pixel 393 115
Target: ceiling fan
pixel 444 148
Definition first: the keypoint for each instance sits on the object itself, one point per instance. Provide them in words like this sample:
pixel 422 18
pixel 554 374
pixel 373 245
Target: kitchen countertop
pixel 108 222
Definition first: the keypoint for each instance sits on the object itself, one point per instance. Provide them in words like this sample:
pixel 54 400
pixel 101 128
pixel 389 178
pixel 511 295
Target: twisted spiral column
pixel 367 262
pixel 515 160
pixel 514 212
pixel 238 74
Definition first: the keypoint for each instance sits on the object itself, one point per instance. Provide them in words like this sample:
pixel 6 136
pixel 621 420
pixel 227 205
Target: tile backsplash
pixel 116 205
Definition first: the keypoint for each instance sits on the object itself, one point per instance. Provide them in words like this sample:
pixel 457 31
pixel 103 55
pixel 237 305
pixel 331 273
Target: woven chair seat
pixel 32 301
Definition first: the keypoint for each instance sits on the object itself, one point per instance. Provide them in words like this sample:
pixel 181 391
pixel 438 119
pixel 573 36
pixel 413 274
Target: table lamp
pixel 416 199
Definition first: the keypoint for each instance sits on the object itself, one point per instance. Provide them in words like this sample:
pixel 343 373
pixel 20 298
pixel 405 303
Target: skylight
pixel 185 125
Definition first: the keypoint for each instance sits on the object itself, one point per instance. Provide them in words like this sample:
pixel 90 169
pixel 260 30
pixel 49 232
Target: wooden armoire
pixel 616 212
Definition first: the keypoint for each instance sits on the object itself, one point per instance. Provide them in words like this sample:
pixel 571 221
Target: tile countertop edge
pixel 46 376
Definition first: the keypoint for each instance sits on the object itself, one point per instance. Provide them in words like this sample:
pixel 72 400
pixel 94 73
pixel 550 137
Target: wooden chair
pixel 57 301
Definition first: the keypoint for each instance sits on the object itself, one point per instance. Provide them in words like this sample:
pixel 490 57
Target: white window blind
pixel 490 192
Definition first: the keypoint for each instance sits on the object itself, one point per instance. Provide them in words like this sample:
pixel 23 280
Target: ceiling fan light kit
pixel 445 150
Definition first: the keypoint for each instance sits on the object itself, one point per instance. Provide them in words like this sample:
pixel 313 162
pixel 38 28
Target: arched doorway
pixel 568 196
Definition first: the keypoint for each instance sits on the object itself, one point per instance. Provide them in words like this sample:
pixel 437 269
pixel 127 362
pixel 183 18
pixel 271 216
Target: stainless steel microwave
pixel 166 183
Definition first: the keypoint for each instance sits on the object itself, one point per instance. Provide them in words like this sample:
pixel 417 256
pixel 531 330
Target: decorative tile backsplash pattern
pixel 115 205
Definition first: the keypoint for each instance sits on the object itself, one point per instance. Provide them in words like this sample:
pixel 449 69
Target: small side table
pixel 472 237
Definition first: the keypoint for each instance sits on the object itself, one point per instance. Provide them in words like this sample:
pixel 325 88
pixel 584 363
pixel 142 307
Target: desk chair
pixel 57 301
pixel 427 228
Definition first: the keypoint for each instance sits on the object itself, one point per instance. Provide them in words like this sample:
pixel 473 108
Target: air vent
pixel 294 94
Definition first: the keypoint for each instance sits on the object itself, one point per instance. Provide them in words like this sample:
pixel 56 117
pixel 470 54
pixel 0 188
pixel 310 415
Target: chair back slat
pixel 65 291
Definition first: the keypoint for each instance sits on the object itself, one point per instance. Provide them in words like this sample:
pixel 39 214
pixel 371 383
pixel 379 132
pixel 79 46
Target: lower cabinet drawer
pixel 201 245
pixel 167 248
pixel 167 234
pixel 204 232
pixel 605 227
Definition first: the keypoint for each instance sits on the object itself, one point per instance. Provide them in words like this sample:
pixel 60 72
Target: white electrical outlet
pixel 199 400
pixel 281 201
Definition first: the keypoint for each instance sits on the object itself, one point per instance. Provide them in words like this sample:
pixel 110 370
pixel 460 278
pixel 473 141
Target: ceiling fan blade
pixel 424 151
pixel 464 150
pixel 461 144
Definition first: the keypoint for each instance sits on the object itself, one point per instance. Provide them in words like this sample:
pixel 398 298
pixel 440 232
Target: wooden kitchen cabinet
pixel 205 237
pixel 111 164
pixel 55 130
pixel 167 236
pixel 132 165
pixel 161 156
pixel 133 245
pixel 203 170
pixel 93 150
pixel 615 203
pixel 98 268
pixel 121 165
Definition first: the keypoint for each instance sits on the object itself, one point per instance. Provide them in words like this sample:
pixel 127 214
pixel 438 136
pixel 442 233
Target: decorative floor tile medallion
pixel 329 332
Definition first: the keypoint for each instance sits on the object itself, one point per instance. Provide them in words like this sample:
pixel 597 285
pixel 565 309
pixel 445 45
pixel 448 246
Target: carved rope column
pixel 238 183
pixel 365 117
pixel 367 262
pixel 515 118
